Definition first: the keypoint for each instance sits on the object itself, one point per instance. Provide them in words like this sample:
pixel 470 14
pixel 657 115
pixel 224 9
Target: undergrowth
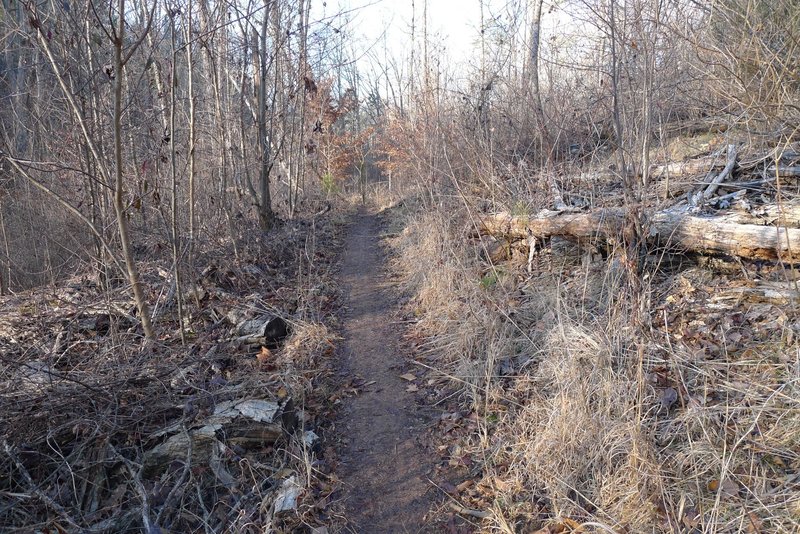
pixel 601 410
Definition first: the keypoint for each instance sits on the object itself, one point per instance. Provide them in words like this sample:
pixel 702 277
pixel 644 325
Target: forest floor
pixel 101 431
pixel 384 462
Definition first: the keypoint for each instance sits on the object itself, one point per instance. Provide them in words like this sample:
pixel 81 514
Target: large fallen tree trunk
pixel 673 229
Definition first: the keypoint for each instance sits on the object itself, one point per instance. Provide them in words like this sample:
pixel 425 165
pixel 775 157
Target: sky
pixel 456 22
pixel 453 28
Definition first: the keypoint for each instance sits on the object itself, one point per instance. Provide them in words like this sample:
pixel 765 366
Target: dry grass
pixel 309 342
pixel 594 414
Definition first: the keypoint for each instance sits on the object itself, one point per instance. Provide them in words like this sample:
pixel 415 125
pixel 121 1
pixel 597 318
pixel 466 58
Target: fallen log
pixel 672 229
pixel 247 423
pixel 688 168
pixel 767 215
pixel 784 172
pixel 778 293
pixel 267 330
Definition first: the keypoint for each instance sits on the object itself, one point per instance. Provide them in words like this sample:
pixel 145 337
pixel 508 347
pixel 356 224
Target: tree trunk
pixel 176 253
pixel 265 214
pixel 672 229
pixel 102 164
pixel 541 124
pixel 119 206
pixel 192 132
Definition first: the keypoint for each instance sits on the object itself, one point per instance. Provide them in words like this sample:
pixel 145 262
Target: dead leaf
pixel 691 518
pixel 668 398
pixel 448 487
pixel 727 488
pixel 501 484
pixel 730 488
pixel 264 355
pixel 412 388
pixel 464 485
pixel 754 524
pixel 565 526
pixel 409 376
pixel 733 337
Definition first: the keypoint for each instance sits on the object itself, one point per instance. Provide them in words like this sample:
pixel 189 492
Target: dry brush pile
pixel 104 432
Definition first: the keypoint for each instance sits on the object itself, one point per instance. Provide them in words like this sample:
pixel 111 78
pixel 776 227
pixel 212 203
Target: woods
pixel 160 125
pixel 536 258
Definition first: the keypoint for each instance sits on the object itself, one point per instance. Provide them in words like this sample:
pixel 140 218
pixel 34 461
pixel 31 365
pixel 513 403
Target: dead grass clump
pixel 672 408
pixel 309 341
pixel 580 437
pixel 553 373
pixel 432 266
pixel 454 301
pixel 733 450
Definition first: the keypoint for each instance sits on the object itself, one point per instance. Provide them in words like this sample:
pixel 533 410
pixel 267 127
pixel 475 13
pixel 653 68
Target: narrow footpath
pixel 383 465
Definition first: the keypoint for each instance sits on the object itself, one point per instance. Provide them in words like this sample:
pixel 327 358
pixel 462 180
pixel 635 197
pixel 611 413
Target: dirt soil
pixel 383 463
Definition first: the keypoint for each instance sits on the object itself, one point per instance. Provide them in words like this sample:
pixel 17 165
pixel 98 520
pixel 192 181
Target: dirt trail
pixel 383 465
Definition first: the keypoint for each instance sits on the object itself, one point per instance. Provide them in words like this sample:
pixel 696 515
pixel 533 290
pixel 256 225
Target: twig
pixel 9 450
pixel 468 511
pixel 784 172
pixel 179 484
pixel 206 513
pixel 136 477
pixel 715 183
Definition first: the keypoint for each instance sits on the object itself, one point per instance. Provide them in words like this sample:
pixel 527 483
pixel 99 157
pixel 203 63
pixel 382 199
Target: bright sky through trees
pixel 454 23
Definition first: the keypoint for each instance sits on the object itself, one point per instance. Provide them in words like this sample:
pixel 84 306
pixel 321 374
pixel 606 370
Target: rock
pixel 310 438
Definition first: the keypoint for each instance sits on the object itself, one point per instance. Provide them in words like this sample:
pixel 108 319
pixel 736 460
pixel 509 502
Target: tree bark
pixel 119 205
pixel 672 229
pixel 541 123
pixel 176 255
pixel 265 214
pixel 192 132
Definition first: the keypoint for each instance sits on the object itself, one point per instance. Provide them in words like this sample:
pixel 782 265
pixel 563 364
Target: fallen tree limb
pixel 784 172
pixel 722 176
pixel 778 293
pixel 687 168
pixel 787 215
pixel 480 514
pixel 672 229
pixel 683 169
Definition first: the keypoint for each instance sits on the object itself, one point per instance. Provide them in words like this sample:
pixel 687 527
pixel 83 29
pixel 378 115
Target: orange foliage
pixel 397 146
pixel 332 148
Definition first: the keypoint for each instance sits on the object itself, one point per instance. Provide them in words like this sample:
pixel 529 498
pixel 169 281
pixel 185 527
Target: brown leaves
pixel 727 488
pixel 668 396
pixel 264 357
pixel 562 526
pixel 691 518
